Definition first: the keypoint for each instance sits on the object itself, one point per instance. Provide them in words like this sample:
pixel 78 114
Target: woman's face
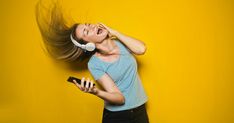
pixel 91 32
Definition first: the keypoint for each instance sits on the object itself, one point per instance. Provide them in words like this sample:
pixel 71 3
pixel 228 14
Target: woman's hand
pixel 112 32
pixel 136 46
pixel 86 88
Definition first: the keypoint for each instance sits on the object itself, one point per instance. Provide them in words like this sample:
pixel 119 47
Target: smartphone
pixel 71 78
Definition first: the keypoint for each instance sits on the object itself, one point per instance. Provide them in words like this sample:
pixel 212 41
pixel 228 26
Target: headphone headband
pixel 76 42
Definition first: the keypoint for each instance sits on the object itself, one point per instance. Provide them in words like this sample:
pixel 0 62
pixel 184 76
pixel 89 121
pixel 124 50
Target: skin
pixel 108 52
pixel 88 32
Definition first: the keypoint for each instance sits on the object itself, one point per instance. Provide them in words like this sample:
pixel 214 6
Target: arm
pixel 110 93
pixel 136 46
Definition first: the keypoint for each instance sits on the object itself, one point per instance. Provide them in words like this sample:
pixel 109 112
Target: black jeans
pixel 136 115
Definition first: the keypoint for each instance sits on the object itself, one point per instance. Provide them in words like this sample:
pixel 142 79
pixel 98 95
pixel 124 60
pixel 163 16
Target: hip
pixel 135 115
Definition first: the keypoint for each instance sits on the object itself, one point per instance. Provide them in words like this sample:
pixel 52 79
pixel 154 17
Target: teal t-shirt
pixel 124 73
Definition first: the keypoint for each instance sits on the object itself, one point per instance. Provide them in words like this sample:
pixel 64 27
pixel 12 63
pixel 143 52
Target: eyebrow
pixel 86 24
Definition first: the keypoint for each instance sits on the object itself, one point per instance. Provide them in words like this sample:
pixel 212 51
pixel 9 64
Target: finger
pixel 82 83
pixel 74 81
pixel 103 25
pixel 99 23
pixel 87 83
pixel 100 26
pixel 77 85
pixel 91 86
pixel 90 90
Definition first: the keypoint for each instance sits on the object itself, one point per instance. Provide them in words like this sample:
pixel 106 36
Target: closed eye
pixel 86 32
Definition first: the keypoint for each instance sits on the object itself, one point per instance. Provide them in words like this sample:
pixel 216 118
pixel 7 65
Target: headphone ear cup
pixel 90 46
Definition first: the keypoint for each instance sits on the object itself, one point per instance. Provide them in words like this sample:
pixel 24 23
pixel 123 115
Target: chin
pixel 100 40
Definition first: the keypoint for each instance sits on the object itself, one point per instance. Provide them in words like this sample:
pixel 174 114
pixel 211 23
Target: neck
pixel 107 47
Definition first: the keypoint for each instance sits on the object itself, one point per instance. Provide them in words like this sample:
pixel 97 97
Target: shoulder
pixel 96 68
pixel 94 62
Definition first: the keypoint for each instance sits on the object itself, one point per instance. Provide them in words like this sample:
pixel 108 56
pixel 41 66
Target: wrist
pixel 115 33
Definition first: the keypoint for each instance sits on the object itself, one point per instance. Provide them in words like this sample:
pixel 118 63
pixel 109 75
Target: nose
pixel 94 26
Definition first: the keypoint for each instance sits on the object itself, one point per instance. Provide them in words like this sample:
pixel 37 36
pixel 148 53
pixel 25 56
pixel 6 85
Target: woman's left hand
pixel 111 31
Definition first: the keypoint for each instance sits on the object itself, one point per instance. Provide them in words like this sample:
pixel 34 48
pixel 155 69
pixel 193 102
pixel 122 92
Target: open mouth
pixel 99 31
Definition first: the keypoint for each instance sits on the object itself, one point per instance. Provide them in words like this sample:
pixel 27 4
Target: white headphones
pixel 89 46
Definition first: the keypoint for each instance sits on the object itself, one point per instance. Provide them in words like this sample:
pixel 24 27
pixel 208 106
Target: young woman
pixel 110 61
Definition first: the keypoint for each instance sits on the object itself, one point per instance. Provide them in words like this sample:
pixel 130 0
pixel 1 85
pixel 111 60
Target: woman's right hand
pixel 86 88
pixel 112 32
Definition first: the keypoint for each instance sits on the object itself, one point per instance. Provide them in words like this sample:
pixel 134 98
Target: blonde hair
pixel 56 33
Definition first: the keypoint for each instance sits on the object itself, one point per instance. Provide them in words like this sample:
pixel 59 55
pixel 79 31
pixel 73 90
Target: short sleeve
pixel 96 71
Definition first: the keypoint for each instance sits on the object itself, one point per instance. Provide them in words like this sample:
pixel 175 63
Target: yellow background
pixel 187 70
